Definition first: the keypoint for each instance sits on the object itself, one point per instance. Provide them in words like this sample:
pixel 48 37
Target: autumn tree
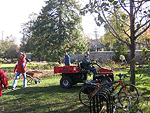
pixel 109 38
pixel 145 38
pixel 138 12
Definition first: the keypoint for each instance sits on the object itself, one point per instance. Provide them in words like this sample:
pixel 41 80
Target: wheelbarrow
pixel 33 77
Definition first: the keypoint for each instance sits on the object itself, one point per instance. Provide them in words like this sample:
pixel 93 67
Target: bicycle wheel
pixel 84 93
pixel 127 97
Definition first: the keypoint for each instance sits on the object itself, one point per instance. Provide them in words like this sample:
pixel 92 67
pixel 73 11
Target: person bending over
pixel 3 80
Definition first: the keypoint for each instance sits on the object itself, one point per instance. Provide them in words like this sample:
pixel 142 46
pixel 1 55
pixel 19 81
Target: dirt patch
pixel 45 73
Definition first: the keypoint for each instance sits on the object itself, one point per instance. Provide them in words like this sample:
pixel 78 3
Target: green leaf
pixel 106 26
pixel 138 25
pixel 110 0
pixel 98 24
pixel 106 9
pixel 123 16
pixel 87 5
pixel 115 2
pixel 122 25
pixel 100 18
pixel 122 1
pixel 91 10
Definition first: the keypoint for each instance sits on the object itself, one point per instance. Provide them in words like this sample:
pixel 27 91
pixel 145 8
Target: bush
pixel 120 48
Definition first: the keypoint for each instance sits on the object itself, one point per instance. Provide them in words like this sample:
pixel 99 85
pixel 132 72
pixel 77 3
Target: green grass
pixel 7 65
pixel 49 97
pixel 143 86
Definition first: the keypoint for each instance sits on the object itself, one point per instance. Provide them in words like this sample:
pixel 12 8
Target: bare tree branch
pixel 113 32
pixel 118 38
pixel 124 8
pixel 142 26
pixel 110 24
pixel 126 33
pixel 120 19
pixel 142 31
pixel 141 3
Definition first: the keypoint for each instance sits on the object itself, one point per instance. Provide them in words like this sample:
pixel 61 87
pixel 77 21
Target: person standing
pixel 67 59
pixel 20 68
pixel 3 80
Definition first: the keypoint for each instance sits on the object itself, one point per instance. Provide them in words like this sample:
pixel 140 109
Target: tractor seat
pixel 80 68
pixel 79 65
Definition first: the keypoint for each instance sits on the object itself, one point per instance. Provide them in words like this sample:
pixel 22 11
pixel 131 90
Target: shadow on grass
pixel 50 99
pixel 146 92
pixel 36 90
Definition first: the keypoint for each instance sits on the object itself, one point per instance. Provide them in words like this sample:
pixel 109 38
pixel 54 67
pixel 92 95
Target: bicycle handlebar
pixel 120 75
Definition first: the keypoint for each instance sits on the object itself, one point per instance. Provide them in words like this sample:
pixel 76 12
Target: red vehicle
pixel 71 75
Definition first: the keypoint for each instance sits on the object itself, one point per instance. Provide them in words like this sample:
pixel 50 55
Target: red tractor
pixel 71 75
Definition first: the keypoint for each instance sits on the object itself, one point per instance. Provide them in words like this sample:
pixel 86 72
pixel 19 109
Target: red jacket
pixel 3 80
pixel 20 68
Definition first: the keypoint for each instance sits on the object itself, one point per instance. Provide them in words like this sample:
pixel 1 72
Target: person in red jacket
pixel 20 68
pixel 3 80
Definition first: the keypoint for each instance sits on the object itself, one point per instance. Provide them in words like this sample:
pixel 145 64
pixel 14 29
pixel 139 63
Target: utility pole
pixel 96 35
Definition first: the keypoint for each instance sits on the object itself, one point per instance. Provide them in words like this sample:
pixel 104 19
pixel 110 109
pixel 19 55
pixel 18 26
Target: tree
pixel 119 48
pixel 8 49
pixel 109 38
pixel 57 29
pixel 145 38
pixel 26 32
pixel 138 13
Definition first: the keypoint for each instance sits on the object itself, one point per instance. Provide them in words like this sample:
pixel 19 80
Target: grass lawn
pixel 49 97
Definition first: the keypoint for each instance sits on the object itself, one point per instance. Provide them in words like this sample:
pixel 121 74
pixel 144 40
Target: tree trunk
pixel 132 45
pixel 132 62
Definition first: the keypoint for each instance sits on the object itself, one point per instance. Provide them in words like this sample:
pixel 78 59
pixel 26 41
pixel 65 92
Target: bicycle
pixel 126 97
pixel 88 88
pixel 128 93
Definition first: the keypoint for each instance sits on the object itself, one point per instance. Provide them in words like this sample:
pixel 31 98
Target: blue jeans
pixel 16 79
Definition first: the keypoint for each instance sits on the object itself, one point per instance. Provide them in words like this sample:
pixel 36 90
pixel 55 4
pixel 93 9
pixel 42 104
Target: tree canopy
pixel 8 49
pixel 56 29
pixel 138 13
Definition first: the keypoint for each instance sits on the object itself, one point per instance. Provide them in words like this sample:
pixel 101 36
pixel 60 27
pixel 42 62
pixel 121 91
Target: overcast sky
pixel 16 12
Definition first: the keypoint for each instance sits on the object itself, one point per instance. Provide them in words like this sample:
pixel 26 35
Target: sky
pixel 14 13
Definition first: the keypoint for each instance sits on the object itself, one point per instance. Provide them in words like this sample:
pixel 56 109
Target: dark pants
pixel 93 69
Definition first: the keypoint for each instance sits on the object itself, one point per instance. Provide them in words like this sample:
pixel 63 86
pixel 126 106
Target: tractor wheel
pixel 66 82
pixel 74 83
